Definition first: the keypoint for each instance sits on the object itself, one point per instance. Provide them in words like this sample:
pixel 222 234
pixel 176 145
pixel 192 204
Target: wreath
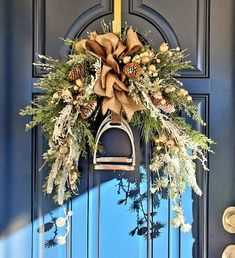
pixel 123 75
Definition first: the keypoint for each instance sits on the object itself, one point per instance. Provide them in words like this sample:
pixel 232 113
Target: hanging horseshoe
pixel 114 163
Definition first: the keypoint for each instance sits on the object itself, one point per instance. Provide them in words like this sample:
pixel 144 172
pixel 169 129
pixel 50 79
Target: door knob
pixel 229 252
pixel 229 220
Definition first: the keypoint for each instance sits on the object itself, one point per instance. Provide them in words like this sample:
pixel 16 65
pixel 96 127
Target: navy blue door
pixel 115 215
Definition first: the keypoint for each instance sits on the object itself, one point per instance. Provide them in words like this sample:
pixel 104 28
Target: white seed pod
pixel 163 48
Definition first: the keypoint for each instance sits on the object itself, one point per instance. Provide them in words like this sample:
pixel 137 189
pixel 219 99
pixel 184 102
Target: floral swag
pixel 118 73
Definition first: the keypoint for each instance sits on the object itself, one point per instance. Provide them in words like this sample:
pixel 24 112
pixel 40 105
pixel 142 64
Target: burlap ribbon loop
pixel 110 84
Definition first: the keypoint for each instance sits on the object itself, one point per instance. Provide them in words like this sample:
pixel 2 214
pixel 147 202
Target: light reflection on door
pixel 115 222
pixel 108 228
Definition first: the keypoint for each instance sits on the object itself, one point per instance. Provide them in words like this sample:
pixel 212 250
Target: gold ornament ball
pixel 144 54
pixel 159 147
pixel 136 57
pixel 172 88
pixel 178 49
pixel 163 102
pixel 79 83
pixel 75 87
pixel 189 98
pixel 162 138
pixel 169 89
pixel 63 149
pixel 158 61
pixel 126 59
pixel 183 92
pixel 152 68
pixel 151 54
pixel 56 95
pixel 145 59
pixel 163 48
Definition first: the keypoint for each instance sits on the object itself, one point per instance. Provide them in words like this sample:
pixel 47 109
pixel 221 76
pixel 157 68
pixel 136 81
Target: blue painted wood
pixel 15 145
pixel 100 226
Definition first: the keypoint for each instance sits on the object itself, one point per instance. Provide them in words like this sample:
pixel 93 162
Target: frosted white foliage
pixel 54 171
pixel 61 125
pixel 62 186
pixel 191 176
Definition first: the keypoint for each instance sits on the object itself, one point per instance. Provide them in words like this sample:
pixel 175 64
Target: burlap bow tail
pixel 110 84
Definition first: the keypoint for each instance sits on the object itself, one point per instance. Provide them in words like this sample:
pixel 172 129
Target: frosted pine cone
pixel 167 108
pixel 132 70
pixel 88 109
pixel 77 72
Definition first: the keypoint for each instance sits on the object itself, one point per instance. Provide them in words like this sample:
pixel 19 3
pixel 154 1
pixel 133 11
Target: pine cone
pixel 132 70
pixel 88 109
pixel 77 72
pixel 167 108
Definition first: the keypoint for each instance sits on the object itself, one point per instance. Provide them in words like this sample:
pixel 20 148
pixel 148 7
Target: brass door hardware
pixel 229 252
pixel 229 220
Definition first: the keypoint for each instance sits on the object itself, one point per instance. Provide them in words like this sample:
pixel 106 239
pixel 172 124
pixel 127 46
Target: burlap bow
pixel 110 84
